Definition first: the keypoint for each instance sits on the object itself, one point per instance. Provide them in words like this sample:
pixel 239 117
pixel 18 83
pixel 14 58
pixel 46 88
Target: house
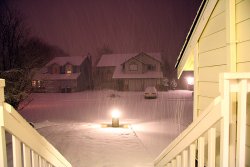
pixel 130 72
pixel 64 74
pixel 218 42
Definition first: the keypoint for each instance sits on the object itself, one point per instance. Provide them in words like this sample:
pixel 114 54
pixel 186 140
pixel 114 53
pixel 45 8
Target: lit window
pixel 38 84
pixel 68 69
pixel 33 83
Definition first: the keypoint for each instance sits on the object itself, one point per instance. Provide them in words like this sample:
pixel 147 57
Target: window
pixel 133 67
pixel 33 83
pixel 36 84
pixel 68 69
pixel 55 70
pixel 151 67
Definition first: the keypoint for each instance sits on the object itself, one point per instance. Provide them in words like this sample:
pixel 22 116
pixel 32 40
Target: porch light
pixel 115 118
pixel 190 80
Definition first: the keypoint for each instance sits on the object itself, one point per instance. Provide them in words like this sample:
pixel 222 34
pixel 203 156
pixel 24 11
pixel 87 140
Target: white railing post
pixel 241 123
pixel 169 165
pixel 178 161
pixel 16 148
pixel 201 155
pixel 192 155
pixel 3 155
pixel 211 147
pixel 34 159
pixel 224 138
pixel 184 158
pixel 26 156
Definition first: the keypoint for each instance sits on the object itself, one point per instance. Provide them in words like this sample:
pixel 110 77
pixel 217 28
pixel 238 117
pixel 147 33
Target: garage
pixel 135 85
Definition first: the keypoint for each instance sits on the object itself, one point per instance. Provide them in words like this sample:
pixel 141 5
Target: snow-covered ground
pixel 73 123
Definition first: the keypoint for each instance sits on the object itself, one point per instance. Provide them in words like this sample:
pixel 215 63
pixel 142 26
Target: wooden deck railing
pixel 29 148
pixel 206 140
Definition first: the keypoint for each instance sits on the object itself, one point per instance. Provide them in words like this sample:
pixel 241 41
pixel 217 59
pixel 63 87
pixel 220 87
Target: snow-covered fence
pixel 29 148
pixel 206 140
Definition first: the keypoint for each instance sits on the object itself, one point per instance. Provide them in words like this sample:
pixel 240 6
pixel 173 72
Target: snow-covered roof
pixel 108 60
pixel 74 60
pixel 47 76
pixel 118 73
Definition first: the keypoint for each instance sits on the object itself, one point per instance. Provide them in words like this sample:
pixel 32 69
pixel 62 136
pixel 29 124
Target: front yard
pixel 72 123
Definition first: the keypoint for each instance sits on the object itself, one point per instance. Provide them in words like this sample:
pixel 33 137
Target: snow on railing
pixel 29 148
pixel 197 144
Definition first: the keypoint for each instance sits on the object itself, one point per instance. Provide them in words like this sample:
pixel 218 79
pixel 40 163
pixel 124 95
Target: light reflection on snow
pixel 85 129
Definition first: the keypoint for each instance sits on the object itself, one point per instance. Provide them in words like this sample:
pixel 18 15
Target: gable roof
pixel 155 56
pixel 109 60
pixel 74 60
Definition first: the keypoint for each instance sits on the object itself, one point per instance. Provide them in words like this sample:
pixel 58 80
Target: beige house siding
pixel 243 53
pixel 243 35
pixel 211 56
pixel 220 42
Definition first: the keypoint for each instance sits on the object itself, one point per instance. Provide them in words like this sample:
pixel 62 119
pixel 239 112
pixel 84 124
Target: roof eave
pixel 192 28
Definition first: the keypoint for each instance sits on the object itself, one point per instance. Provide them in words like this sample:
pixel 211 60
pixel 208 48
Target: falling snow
pixel 127 26
pixel 73 123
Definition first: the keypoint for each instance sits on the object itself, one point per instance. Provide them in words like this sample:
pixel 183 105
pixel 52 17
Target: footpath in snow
pixel 72 123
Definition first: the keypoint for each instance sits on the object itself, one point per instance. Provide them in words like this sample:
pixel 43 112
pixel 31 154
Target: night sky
pixel 82 26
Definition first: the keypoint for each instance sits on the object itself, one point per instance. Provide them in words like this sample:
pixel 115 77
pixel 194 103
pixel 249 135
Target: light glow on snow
pixel 85 136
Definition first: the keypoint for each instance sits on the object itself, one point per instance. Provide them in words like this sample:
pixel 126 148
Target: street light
pixel 115 117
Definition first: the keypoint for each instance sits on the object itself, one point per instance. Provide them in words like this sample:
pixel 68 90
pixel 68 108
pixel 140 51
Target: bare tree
pixel 36 53
pixel 12 37
pixel 19 54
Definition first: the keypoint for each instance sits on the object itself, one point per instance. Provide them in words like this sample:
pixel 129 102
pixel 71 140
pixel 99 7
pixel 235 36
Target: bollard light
pixel 115 118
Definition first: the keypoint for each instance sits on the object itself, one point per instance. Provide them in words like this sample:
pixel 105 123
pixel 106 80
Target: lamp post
pixel 115 118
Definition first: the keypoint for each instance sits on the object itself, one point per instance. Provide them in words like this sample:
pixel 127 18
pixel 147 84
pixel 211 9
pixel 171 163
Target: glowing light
pixel 190 80
pixel 116 113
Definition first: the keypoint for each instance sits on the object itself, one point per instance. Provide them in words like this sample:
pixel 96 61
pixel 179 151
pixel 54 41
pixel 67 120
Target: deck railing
pixel 206 141
pixel 29 148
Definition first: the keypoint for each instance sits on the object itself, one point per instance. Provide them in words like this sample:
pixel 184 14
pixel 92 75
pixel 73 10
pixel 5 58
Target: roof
pixel 74 60
pixel 108 60
pixel 118 73
pixel 155 56
pixel 40 76
pixel 190 32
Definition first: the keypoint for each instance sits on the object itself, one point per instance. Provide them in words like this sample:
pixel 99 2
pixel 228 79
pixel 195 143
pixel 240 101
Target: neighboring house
pixel 64 74
pixel 218 42
pixel 132 72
